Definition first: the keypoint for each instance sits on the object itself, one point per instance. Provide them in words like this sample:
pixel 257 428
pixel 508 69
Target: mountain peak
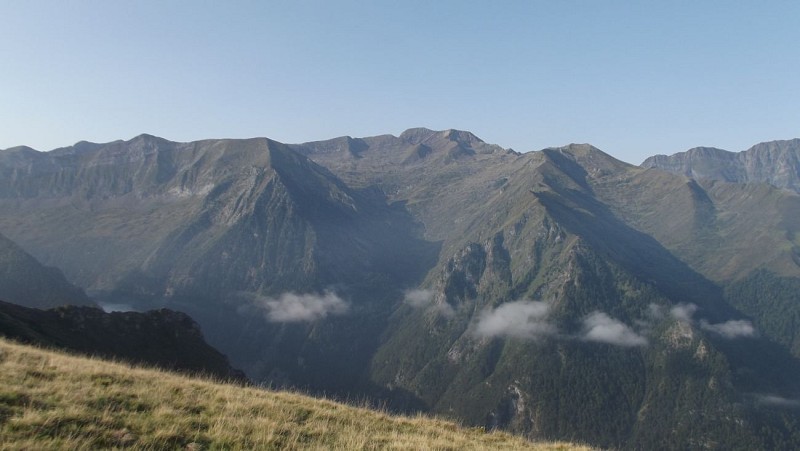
pixel 148 138
pixel 588 156
pixel 343 144
pixel 416 135
pixel 461 136
pixel 15 149
pixel 580 149
pixel 421 134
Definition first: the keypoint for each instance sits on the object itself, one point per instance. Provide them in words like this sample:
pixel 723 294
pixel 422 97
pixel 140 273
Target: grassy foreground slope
pixel 50 400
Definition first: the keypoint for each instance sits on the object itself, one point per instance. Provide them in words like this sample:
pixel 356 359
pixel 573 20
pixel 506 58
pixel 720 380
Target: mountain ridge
pixel 433 271
pixel 773 162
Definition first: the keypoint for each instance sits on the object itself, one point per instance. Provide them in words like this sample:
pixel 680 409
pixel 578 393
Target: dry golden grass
pixel 50 400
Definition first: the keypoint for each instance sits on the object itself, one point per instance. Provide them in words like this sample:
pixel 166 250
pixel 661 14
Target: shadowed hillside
pixel 162 338
pixel 25 281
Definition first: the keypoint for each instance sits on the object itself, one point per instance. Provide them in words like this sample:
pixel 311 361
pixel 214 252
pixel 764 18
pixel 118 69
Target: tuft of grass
pixel 51 400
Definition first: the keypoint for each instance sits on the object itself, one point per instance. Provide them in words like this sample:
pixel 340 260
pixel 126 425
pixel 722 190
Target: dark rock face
pixel 776 163
pixel 163 338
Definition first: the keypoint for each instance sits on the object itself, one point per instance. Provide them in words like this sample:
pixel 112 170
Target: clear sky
pixel 634 78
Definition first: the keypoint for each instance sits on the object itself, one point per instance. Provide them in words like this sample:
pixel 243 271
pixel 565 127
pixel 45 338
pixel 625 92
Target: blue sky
pixel 632 78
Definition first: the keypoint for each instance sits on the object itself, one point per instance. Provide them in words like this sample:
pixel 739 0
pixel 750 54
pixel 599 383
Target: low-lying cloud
pixel 778 401
pixel 601 328
pixel 519 319
pixel 731 329
pixel 683 312
pixel 422 298
pixel 418 297
pixel 294 307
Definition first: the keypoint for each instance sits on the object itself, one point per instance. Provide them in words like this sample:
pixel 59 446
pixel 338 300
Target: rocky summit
pixel 559 294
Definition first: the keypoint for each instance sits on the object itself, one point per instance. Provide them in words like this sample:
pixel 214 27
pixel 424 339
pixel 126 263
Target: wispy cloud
pixel 293 307
pixel 655 312
pixel 418 297
pixel 778 401
pixel 422 298
pixel 683 312
pixel 601 328
pixel 520 319
pixel 445 309
pixel 731 329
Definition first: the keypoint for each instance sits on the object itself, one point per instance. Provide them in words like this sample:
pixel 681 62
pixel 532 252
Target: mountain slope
pixel 50 400
pixel 743 236
pixel 193 202
pixel 514 322
pixel 24 281
pixel 443 178
pixel 253 240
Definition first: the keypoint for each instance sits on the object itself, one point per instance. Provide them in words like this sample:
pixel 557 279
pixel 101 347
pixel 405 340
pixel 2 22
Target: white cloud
pixel 730 329
pixel 521 319
pixel 683 311
pixel 421 298
pixel 602 328
pixel 445 309
pixel 778 401
pixel 293 307
pixel 418 298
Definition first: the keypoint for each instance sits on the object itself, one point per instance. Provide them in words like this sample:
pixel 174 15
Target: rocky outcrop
pixel 162 338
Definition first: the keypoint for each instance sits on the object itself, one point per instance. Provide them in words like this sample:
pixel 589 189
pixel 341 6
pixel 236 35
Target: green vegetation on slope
pixel 50 400
pixel 774 304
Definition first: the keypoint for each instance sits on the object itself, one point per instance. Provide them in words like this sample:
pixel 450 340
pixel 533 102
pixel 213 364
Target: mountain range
pixel 560 294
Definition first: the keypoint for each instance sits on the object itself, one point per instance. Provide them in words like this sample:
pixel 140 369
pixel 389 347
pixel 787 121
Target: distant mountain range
pixel 776 163
pixel 559 294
